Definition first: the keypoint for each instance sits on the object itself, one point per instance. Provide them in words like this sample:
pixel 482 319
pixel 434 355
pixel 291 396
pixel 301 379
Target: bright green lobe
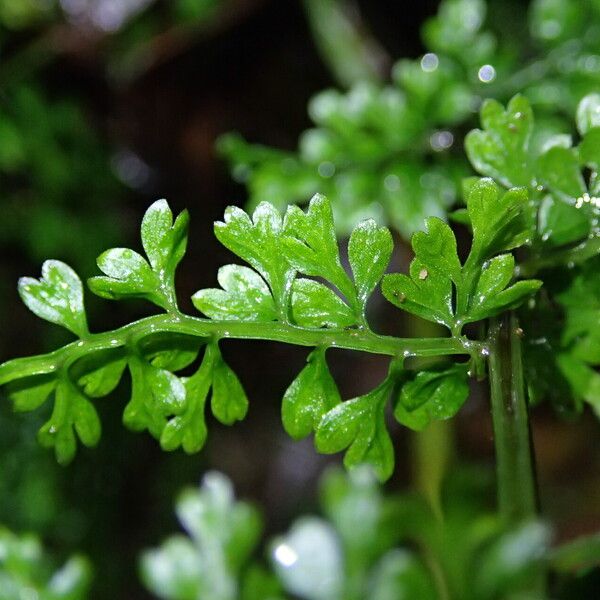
pixel 309 397
pixel 359 425
pixel 430 396
pixel 228 402
pixel 245 297
pixel 369 252
pixel 258 242
pixel 56 297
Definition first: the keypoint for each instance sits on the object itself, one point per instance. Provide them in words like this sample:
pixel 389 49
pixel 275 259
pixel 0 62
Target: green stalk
pixel 432 450
pixel 517 496
pixel 350 339
pixel 344 43
pixel 515 470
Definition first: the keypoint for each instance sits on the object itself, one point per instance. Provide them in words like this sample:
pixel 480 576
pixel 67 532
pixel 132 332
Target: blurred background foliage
pixel 105 106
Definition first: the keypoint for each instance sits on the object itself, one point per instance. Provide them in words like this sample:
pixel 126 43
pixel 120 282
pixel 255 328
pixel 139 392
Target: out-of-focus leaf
pixel 222 534
pixel 308 560
pixel 501 149
pixel 400 575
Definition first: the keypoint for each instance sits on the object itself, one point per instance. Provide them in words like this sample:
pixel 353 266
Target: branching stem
pixel 361 340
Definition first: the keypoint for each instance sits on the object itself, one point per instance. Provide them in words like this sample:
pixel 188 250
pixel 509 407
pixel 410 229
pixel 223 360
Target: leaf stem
pixel 515 468
pixel 361 340
pixel 344 42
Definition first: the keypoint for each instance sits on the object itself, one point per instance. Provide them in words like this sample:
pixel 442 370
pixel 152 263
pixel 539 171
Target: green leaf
pixel 501 149
pixel 245 297
pixel 498 218
pixel 127 275
pixel 588 113
pixel 317 573
pixel 315 305
pixel 72 411
pixel 432 395
pixel 359 425
pixel 456 26
pixel 56 297
pixel 311 245
pixel 369 251
pixel 364 519
pixel 400 574
pixel 561 223
pixel 164 242
pixel 171 572
pixel 260 584
pixel 155 395
pixel 27 570
pixel 589 149
pixel 436 248
pixel 309 397
pixel 553 21
pixel 29 393
pixel 228 402
pixel 513 560
pixel 576 554
pixel 583 379
pixel 72 581
pixel 491 294
pixel 222 534
pixel 258 241
pixel 558 169
pixel 188 430
pixel 103 380
pixel 425 294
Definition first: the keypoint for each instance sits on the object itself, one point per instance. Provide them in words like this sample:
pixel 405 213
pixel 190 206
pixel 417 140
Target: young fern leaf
pixel 562 209
pixel 359 425
pixel 311 246
pixel 72 412
pixel 56 297
pixel 127 274
pixel 309 397
pixel 501 150
pixel 258 241
pixel 245 297
pixel 274 301
pixel 432 395
pixel 442 290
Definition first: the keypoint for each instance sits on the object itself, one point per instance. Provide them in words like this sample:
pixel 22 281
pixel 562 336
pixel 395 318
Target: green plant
pixel 298 292
pixel 393 151
pixel 532 259
pixel 366 545
pixel 25 572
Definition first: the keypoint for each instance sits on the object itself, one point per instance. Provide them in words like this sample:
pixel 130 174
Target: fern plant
pixel 392 151
pixel 533 213
pixel 366 544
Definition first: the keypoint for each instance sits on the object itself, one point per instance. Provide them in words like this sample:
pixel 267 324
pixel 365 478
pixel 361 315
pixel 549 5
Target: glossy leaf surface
pixel 56 297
